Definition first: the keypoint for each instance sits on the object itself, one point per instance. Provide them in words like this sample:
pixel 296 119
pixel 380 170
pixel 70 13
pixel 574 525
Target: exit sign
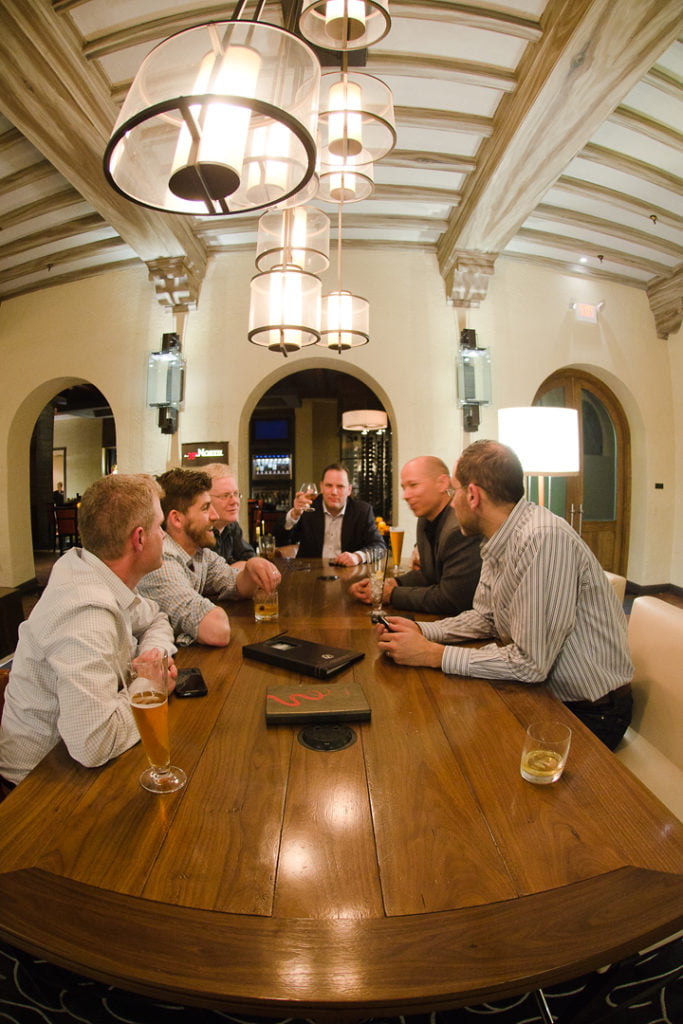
pixel 586 313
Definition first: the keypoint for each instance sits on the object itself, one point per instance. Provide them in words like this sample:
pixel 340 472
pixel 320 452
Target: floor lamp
pixel 546 439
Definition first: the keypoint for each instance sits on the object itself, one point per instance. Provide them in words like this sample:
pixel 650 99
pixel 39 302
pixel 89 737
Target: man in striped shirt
pixel 542 597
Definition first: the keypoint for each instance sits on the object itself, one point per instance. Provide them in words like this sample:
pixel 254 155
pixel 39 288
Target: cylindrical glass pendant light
pixel 298 237
pixel 342 182
pixel 344 24
pixel 284 314
pixel 345 321
pixel 356 122
pixel 220 119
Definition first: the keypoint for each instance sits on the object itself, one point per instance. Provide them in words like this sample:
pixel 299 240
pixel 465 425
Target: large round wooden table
pixel 413 870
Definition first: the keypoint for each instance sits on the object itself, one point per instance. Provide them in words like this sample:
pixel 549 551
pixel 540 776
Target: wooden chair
pixel 66 518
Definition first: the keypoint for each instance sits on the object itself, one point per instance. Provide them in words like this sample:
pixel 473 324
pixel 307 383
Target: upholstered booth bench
pixel 653 746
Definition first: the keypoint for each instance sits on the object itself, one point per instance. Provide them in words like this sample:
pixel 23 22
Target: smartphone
pixel 379 618
pixel 190 683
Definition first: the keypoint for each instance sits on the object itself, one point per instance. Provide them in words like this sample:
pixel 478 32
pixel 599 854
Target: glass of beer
pixel 147 690
pixel 266 606
pixel 267 546
pixel 544 755
pixel 396 538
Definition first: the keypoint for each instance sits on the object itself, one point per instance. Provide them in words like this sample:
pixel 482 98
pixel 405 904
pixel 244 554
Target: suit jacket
pixel 449 572
pixel 359 529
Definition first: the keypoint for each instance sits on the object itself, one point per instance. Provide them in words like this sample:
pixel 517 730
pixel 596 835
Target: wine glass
pixel 310 490
pixel 146 685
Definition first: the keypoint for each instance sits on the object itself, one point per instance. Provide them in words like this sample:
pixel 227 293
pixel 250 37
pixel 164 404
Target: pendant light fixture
pixel 343 182
pixel 345 321
pixel 356 122
pixel 344 24
pixel 284 313
pixel 364 420
pixel 298 237
pixel 220 119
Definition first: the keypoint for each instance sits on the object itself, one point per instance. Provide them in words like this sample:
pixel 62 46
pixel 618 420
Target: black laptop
pixel 311 659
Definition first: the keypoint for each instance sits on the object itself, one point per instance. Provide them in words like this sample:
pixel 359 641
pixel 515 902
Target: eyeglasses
pixel 235 495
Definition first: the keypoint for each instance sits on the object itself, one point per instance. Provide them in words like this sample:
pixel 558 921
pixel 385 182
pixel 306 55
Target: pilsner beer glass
pixel 396 538
pixel 147 690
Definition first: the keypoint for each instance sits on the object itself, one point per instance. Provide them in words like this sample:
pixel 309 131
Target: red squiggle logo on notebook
pixel 294 701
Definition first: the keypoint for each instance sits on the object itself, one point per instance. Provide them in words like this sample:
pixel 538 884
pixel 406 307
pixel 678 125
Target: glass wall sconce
pixel 474 379
pixel 166 382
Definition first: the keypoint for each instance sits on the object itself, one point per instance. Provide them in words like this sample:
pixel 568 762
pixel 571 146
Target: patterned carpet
pixel 35 992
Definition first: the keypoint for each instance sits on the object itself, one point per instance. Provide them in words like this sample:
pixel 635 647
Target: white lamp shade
pixel 364 419
pixel 220 118
pixel 343 182
pixel 298 237
pixel 344 24
pixel 546 439
pixel 284 314
pixel 356 121
pixel 345 321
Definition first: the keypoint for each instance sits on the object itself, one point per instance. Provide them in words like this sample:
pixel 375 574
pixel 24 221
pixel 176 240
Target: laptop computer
pixel 319 660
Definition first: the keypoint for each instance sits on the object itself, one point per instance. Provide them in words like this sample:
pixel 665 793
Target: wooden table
pixel 414 870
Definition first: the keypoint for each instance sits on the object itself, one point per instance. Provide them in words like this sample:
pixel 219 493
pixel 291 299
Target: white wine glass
pixel 147 690
pixel 310 490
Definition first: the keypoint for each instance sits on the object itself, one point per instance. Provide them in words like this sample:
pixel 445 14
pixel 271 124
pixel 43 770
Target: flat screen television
pixel 267 430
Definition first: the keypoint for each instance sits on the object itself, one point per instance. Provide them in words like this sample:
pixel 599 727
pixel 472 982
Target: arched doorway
pixel 73 443
pixel 295 430
pixel 598 500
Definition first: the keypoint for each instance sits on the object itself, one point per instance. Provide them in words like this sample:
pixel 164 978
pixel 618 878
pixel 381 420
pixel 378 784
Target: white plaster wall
pixel 103 329
pixel 82 438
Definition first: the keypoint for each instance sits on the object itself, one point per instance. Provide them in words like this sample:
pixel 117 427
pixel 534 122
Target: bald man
pixel 449 562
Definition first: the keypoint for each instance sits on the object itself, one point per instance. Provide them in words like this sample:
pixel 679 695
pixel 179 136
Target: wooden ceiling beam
pixel 611 228
pixel 620 200
pixel 41 70
pixel 591 54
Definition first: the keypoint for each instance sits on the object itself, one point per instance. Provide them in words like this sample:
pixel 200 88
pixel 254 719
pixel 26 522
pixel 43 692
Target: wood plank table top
pixel 413 870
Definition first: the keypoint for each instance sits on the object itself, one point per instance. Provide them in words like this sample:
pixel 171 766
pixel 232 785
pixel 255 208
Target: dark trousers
pixel 609 717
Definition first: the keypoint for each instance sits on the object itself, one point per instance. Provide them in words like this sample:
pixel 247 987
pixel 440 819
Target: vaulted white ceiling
pixel 545 131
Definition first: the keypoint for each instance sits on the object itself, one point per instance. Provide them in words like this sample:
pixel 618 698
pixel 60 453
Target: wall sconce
pixel 166 382
pixel 474 379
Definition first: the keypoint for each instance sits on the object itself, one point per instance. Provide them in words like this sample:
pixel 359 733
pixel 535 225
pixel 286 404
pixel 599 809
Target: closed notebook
pixel 311 659
pixel 323 702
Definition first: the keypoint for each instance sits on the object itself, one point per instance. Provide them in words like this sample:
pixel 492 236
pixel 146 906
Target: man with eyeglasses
pixel 225 498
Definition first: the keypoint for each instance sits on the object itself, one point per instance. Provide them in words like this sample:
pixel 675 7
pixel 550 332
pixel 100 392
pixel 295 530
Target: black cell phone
pixel 328 578
pixel 190 683
pixel 379 618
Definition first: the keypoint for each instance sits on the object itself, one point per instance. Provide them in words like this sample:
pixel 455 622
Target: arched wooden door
pixel 598 500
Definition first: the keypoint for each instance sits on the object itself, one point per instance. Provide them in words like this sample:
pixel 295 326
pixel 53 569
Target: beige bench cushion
pixel 653 746
pixel 619 584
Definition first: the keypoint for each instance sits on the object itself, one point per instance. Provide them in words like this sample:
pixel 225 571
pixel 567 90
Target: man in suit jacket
pixel 334 526
pixel 447 568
